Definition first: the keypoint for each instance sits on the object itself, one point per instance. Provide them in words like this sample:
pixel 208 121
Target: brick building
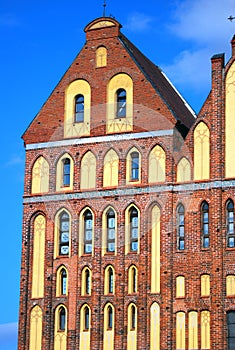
pixel 128 226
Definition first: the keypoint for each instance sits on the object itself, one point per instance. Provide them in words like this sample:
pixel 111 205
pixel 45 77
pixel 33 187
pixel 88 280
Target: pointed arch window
pixel 86 281
pixel 62 319
pixel 121 103
pixel 134 229
pixel 62 282
pixel 230 224
pixel 132 279
pixel 79 108
pixel 134 166
pixel 88 231
pixel 110 317
pixel 64 233
pixel 66 172
pixel 111 231
pixel 109 283
pixel 180 227
pixel 230 329
pixel 205 225
pixel 133 317
pixel 86 318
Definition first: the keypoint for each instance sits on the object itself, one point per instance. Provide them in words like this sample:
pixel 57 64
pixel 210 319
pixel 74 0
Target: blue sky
pixel 40 39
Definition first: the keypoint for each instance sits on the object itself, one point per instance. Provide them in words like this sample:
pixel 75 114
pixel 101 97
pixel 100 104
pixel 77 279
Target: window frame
pixel 109 229
pixel 121 98
pixel 88 216
pixel 135 166
pixel 205 221
pixel 62 242
pixel 79 108
pixel 180 227
pixel 66 172
pixel 230 224
pixel 133 217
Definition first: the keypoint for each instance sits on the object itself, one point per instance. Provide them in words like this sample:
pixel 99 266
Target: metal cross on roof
pixel 104 12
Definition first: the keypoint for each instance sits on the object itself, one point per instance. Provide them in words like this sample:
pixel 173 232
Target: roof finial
pixel 104 12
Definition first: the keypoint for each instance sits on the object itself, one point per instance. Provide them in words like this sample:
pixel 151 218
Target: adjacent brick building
pixel 128 226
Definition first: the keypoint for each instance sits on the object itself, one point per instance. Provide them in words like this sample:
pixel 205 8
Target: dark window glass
pixel 121 103
pixel 64 234
pixel 86 318
pixel 88 229
pixel 180 227
pixel 66 172
pixel 133 317
pixel 230 225
pixel 87 282
pixel 63 276
pixel 110 317
pixel 205 225
pixel 134 166
pixel 79 108
pixel 231 330
pixel 62 318
pixel 134 230
pixel 111 231
pixel 110 279
pixel 134 280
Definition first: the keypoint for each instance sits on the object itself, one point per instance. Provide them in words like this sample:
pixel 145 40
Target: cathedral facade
pixel 128 225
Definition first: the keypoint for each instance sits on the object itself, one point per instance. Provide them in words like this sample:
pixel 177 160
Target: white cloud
pixel 138 22
pixel 204 30
pixel 190 68
pixel 8 333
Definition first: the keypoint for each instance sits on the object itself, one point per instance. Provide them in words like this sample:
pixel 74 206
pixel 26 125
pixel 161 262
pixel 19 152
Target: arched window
pixel 88 231
pixel 61 282
pixel 231 329
pixel 155 327
pixel 155 249
pixel 157 165
pixel 85 327
pixel 86 318
pixel 79 108
pixel 132 279
pixel 40 176
pixel 205 329
pixel 108 343
pixel 180 228
pixel 111 163
pixel 205 225
pixel 132 327
pixel 183 170
pixel 121 103
pixel 230 224
pixel 134 166
pixel 109 282
pixel 101 56
pixel 205 285
pixel 62 319
pixel 180 330
pixel 39 238
pixel 230 285
pixel 64 233
pixel 35 342
pixel 201 152
pixel 180 287
pixel 88 171
pixel 111 231
pixel 193 330
pixel 86 281
pixel 66 172
pixel 134 229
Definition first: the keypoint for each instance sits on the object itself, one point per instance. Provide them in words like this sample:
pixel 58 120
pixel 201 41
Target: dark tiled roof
pixel 162 85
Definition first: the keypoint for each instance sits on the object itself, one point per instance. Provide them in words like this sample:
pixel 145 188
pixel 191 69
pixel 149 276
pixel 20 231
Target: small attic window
pixel 79 108
pixel 121 103
pixel 101 57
